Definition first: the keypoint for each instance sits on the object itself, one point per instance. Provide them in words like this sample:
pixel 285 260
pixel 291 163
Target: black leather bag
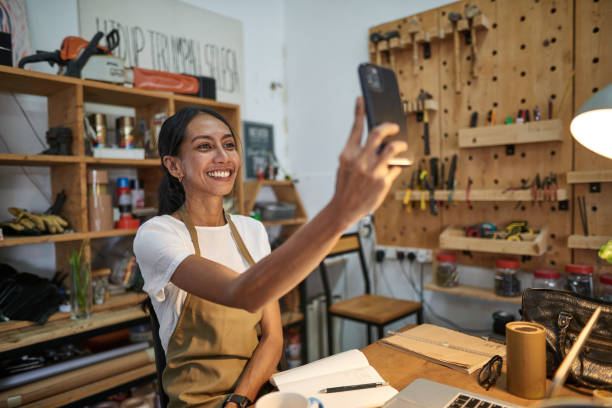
pixel 564 315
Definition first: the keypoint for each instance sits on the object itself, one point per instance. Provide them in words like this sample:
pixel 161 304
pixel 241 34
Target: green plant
pixel 80 274
pixel 605 252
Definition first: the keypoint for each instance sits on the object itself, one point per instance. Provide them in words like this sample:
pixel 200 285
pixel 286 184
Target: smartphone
pixel 383 104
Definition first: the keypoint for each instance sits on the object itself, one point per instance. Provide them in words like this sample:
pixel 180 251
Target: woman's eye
pixel 230 145
pixel 204 146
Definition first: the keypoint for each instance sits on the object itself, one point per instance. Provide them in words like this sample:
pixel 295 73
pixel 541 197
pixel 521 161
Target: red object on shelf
pixel 606 278
pixel 507 263
pixel 127 222
pixel 546 273
pixel 446 257
pixel 579 269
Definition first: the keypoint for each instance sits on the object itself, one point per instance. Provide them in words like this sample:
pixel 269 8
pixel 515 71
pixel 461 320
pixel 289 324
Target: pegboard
pixel 525 54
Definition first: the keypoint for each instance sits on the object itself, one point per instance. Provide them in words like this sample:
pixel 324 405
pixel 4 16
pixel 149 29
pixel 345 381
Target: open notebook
pixel 450 348
pixel 347 368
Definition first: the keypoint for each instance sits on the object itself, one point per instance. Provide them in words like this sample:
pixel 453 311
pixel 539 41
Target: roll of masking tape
pixel 603 397
pixel 526 359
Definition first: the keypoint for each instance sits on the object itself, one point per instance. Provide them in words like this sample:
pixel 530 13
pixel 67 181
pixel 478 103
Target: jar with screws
pixel 605 287
pixel 506 282
pixel 546 279
pixel 580 279
pixel 446 272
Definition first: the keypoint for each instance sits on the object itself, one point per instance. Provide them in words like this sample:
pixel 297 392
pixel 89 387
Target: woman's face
pixel 209 156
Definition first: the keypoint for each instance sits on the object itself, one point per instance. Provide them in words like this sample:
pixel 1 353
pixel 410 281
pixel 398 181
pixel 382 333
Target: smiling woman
pixel 210 275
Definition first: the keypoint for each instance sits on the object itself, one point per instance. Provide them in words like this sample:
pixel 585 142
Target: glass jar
pixel 80 291
pixel 580 279
pixel 605 287
pixel 506 282
pixel 546 279
pixel 446 272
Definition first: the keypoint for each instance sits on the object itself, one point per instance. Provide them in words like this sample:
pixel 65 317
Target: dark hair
pixel 171 194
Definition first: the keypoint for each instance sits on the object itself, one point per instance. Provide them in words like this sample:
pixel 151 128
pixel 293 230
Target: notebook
pixel 450 348
pixel 347 368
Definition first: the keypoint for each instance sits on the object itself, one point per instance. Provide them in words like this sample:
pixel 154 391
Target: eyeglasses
pixel 489 373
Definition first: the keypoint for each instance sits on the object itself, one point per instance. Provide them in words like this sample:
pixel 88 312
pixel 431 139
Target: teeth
pixel 219 173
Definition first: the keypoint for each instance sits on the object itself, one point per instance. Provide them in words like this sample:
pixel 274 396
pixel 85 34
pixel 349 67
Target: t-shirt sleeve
pixel 263 241
pixel 159 250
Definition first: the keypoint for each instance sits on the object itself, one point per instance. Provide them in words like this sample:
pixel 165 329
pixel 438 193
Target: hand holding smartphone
pixel 383 104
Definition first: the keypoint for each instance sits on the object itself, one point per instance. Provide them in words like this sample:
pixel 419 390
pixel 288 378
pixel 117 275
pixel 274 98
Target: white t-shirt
pixel 163 242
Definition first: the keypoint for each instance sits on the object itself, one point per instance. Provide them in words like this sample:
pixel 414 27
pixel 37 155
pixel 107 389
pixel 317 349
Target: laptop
pixel 422 393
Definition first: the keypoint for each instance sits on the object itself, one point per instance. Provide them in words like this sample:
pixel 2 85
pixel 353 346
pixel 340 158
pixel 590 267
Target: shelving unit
pixel 473 292
pixel 518 133
pixel 532 244
pixel 591 176
pixel 587 242
pixel 479 195
pixel 66 98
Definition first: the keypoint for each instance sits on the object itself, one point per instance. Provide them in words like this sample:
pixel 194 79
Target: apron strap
pixel 235 234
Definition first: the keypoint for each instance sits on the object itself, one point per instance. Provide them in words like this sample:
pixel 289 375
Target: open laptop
pixel 422 393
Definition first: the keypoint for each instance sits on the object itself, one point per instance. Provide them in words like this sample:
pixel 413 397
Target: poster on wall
pixel 14 32
pixel 170 35
pixel 258 147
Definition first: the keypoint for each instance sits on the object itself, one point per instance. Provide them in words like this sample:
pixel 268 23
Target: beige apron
pixel 211 343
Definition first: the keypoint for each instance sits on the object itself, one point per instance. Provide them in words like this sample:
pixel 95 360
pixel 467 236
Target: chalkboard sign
pixel 258 147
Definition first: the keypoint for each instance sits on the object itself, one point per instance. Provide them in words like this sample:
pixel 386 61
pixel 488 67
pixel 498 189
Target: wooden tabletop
pixel 400 369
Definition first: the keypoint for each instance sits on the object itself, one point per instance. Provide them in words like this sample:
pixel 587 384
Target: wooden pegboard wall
pixel 524 58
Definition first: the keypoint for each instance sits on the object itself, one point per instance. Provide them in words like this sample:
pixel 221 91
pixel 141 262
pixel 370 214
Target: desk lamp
pixel 592 124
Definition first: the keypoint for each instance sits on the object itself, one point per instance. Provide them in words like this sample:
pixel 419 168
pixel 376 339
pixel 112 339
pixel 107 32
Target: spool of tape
pixel 603 397
pixel 526 359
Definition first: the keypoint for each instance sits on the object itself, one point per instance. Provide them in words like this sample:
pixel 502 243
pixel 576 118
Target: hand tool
pixel 471 11
pixel 427 46
pixel 536 114
pixel 429 186
pixel 583 214
pixel 550 109
pixel 454 18
pixel 433 169
pixel 375 38
pixel 422 98
pixel 467 191
pixel 414 26
pixel 407 201
pixel 474 120
pixel 519 116
pixel 451 173
pixel 442 179
pixel 509 120
pixel 388 36
pixel 493 117
pixel 527 115
pixel 422 177
pixel 535 188
pixel 555 186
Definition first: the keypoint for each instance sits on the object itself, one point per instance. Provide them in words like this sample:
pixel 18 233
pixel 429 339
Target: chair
pixel 160 355
pixel 371 309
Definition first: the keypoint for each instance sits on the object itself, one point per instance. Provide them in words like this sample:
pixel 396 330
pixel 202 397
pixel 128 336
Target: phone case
pixel 383 103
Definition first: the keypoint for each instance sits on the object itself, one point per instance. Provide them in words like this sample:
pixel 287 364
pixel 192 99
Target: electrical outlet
pixel 422 255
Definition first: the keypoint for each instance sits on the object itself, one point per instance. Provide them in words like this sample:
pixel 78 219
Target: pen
pixel 354 387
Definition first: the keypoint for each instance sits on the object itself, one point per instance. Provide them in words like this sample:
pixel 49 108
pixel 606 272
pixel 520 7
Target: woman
pixel 212 359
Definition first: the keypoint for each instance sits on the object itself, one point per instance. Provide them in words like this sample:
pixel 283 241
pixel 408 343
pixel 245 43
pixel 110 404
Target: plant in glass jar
pixel 80 291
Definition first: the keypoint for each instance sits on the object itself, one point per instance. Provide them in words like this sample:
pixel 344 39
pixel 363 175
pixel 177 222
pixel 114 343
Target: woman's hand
pixel 364 177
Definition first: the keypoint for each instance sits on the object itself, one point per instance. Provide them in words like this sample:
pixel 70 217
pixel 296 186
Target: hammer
pixel 422 98
pixel 376 38
pixel 454 18
pixel 471 11
pixel 388 36
pixel 414 26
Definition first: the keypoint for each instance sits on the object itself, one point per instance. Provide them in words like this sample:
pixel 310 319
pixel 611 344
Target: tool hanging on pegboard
pixel 388 36
pixel 471 11
pixel 422 113
pixel 454 19
pixel 414 26
pixel 375 38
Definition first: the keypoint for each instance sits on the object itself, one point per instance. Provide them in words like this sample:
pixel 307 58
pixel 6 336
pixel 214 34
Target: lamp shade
pixel 592 124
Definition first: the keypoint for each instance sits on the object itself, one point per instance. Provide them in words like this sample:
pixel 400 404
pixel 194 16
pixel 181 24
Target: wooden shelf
pixel 454 238
pixel 9 241
pixel 517 133
pixel 34 83
pixel 27 336
pixel 122 300
pixel 293 221
pixel 289 318
pixel 97 162
pixel 594 176
pixel 478 195
pixel 10 159
pixel 587 242
pixel 94 388
pixel 473 292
